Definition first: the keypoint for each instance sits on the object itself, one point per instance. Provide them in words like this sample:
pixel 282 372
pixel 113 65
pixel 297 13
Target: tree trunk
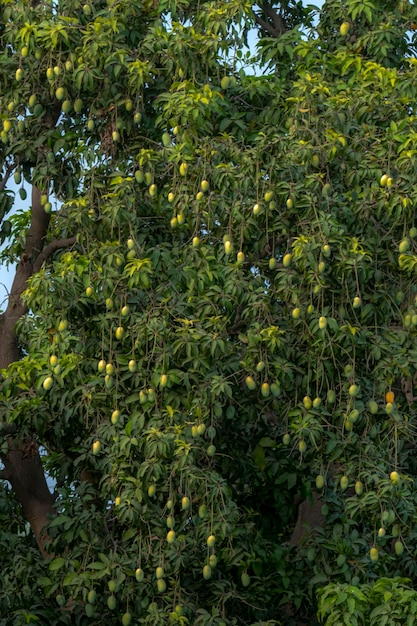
pixel 22 463
pixel 24 471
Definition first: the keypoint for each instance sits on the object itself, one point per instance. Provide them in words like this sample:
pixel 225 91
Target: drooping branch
pixel 272 22
pixel 49 250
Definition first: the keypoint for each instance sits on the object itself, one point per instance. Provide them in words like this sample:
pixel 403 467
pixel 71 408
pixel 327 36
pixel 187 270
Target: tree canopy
pixel 207 401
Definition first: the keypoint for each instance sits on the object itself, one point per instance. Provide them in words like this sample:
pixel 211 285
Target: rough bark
pixel 23 469
pixel 309 519
pixel 9 351
pixel 22 464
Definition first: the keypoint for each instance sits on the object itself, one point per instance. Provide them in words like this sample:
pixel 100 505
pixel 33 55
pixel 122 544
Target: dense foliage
pixel 222 322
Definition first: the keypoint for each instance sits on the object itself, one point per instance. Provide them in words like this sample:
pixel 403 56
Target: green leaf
pixel 56 564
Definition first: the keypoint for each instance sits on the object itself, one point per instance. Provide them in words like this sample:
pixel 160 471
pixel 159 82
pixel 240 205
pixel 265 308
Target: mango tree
pixel 208 348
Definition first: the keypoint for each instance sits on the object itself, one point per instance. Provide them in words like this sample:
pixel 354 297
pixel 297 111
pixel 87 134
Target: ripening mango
pixel 126 619
pixel 353 390
pixel 394 477
pixel 404 246
pixel 344 481
pixel 111 602
pixel 353 415
pixel 295 313
pixel 227 247
pixel 213 560
pixel 211 450
pixel 344 28
pixel 250 383
pixel 389 396
pixel 47 383
pixel 373 554
pixel 171 536
pixel 322 322
pixel 139 574
pixel 120 331
pixel 92 596
pixel 307 402
pixel 331 396
pixel 225 82
pixel 115 416
pixel 302 446
pixel 62 324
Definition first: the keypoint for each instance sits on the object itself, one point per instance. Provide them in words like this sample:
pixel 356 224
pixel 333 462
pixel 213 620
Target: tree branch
pixel 38 226
pixel 7 175
pixel 277 27
pixel 48 251
pixel 35 241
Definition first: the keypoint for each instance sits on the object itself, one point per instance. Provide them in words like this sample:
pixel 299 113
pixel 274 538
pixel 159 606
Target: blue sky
pixel 7 274
pixel 5 284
